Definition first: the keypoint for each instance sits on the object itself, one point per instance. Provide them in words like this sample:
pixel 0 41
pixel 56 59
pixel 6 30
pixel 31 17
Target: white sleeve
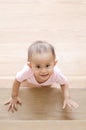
pixel 60 78
pixel 23 74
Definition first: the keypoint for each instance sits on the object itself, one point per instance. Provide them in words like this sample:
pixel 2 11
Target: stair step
pixel 43 104
pixel 43 125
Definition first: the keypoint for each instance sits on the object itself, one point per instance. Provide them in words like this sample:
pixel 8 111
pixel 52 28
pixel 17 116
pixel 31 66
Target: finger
pixel 67 105
pixel 10 106
pixel 15 107
pixel 77 105
pixel 70 106
pixel 64 105
pixel 74 105
pixel 7 103
pixel 19 102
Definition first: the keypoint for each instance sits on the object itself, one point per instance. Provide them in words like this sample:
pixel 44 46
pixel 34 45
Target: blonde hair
pixel 40 47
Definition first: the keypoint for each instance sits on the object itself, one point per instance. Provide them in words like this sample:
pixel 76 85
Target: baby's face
pixel 42 66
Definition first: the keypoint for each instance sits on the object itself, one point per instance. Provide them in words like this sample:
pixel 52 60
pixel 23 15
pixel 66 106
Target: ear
pixel 29 64
pixel 55 62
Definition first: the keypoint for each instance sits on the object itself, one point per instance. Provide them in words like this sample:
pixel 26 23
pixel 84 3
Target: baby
pixel 40 70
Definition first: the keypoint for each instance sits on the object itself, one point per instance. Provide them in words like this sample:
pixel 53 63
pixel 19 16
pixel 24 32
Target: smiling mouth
pixel 44 75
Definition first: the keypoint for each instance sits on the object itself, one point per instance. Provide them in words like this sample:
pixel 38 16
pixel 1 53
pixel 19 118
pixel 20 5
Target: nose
pixel 43 70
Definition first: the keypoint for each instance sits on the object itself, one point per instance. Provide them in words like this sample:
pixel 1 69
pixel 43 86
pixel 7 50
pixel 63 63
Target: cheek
pixel 35 71
pixel 50 70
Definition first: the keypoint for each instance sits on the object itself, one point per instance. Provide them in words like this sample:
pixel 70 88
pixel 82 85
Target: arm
pixel 14 97
pixel 15 89
pixel 67 101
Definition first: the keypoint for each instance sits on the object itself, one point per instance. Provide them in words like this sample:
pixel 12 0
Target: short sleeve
pixel 22 74
pixel 59 77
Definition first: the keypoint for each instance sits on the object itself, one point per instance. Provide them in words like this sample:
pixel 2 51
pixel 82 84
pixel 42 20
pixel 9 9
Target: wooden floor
pixel 43 104
pixel 63 24
pixel 42 109
pixel 41 125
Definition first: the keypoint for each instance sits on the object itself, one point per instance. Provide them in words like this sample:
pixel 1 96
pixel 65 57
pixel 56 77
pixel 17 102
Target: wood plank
pixel 58 21
pixel 43 104
pixel 41 125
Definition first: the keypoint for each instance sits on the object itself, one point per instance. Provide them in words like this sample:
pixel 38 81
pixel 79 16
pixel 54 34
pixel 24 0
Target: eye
pixel 47 66
pixel 38 66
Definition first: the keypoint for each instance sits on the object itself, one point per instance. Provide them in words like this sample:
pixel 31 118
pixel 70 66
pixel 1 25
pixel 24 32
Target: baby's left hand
pixel 70 104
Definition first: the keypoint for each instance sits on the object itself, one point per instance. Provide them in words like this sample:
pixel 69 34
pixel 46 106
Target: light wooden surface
pixel 42 109
pixel 43 104
pixel 63 24
pixel 41 125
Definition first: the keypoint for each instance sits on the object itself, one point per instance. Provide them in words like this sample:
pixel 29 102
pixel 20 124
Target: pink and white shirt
pixel 27 74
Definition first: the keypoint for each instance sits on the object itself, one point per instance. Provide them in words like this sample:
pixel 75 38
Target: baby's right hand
pixel 13 104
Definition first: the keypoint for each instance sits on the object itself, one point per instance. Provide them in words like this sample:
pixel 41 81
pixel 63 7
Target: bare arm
pixel 15 89
pixel 65 91
pixel 14 100
pixel 68 102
